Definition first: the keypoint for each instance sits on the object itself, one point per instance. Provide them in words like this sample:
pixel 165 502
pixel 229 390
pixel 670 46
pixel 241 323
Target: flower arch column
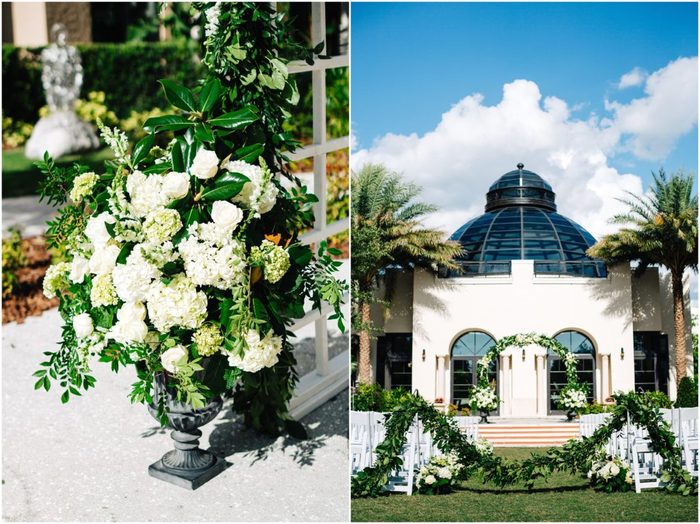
pixel 605 374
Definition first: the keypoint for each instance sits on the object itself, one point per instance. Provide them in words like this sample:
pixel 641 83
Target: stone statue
pixel 61 131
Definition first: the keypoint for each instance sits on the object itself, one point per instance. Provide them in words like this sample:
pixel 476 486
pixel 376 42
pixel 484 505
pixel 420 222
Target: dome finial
pixel 520 166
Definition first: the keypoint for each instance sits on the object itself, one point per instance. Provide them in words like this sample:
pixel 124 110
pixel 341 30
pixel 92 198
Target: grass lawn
pixel 20 177
pixel 563 498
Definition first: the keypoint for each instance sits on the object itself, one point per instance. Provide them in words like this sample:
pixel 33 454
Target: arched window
pixel 582 347
pixel 466 351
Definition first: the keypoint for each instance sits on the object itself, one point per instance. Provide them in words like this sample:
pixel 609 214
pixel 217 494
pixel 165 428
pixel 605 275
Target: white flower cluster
pixel 573 398
pixel 177 303
pixel 260 194
pixel 82 186
pixel 483 446
pixel 485 398
pixel 440 468
pixel 606 469
pixel 261 353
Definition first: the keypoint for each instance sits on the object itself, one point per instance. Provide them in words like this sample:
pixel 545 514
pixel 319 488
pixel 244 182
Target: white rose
pixel 173 358
pixel 82 324
pixel 79 267
pixel 205 164
pixel 226 215
pixel 176 185
pixel 614 469
pixel 96 231
pixel 430 479
pixel 104 259
pixel 130 326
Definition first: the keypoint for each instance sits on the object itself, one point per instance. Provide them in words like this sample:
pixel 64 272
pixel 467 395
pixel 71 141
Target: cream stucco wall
pixel 443 309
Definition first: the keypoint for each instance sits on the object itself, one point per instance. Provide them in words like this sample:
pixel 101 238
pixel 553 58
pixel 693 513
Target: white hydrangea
pixel 260 194
pixel 260 353
pixel 132 280
pixel 161 225
pixel 130 327
pixel 146 193
pixel 176 304
pixel 158 254
pixel 212 259
pixel 82 186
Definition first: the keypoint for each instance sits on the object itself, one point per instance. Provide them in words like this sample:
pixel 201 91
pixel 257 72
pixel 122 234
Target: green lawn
pixel 20 177
pixel 563 498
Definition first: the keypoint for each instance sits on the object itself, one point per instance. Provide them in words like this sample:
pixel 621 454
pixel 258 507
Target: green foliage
pixel 372 397
pixel 13 258
pixel 575 456
pixel 687 393
pixel 657 399
pixel 15 132
pixel 595 408
pixel 126 73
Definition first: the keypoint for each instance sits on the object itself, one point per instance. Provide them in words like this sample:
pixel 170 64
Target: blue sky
pixel 411 62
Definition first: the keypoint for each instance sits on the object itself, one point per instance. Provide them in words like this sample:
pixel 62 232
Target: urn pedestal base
pixel 187 479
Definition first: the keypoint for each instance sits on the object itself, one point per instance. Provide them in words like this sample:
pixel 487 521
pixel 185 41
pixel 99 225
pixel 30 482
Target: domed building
pixel 524 269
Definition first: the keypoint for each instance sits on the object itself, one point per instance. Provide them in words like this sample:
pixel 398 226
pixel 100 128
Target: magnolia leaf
pixel 178 95
pixel 236 119
pixel 210 93
pixel 166 123
pixel 142 148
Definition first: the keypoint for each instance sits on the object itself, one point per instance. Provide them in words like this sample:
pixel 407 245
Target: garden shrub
pixel 372 397
pixel 658 399
pixel 687 393
pixel 127 73
pixel 594 408
pixel 13 258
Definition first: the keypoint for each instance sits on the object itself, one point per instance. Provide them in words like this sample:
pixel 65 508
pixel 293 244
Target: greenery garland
pixel 575 456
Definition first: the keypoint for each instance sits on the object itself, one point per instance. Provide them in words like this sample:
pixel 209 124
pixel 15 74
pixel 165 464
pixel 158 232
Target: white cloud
pixel 651 125
pixel 474 144
pixel 632 79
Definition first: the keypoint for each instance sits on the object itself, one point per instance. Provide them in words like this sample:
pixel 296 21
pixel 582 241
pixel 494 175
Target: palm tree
pixel 663 230
pixel 386 231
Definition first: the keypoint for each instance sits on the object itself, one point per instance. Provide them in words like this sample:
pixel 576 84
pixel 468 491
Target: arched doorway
pixel 583 349
pixel 466 351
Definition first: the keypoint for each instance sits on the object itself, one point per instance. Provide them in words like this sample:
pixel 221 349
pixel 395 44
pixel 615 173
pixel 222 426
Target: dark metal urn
pixel 570 415
pixel 484 416
pixel 187 465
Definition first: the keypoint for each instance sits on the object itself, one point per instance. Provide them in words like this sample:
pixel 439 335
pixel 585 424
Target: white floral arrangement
pixel 610 474
pixel 439 475
pixel 573 398
pixel 185 262
pixel 483 446
pixel 485 398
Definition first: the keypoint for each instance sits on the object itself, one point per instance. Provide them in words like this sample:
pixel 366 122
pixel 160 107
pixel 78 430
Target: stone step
pixel 528 435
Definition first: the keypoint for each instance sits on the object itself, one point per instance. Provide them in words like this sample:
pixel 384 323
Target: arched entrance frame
pixel 591 356
pixel 450 368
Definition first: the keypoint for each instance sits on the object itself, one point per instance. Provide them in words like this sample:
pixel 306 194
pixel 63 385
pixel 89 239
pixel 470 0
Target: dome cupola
pixel 521 223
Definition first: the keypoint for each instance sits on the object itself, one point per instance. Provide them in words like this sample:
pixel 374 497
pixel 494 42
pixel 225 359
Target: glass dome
pixel 521 223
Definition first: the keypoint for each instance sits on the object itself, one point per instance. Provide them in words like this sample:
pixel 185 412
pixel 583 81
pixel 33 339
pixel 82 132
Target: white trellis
pixel 330 376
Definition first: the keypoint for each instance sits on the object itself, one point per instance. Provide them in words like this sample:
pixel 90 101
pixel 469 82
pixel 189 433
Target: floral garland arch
pixel 573 396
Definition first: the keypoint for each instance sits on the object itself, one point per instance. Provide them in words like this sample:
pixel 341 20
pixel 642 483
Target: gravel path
pixel 88 460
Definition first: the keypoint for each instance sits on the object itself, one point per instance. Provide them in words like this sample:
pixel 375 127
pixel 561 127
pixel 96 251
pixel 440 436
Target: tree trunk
pixel 364 368
pixel 679 324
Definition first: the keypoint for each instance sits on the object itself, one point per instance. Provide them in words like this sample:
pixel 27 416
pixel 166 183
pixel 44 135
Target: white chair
pixel 646 465
pixel 360 448
pixel 688 437
pixel 402 479
pixel 469 426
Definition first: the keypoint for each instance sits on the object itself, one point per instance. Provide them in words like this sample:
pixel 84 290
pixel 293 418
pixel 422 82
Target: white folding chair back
pixel 469 426
pixel 360 449
pixel 688 427
pixel 402 480
pixel 646 465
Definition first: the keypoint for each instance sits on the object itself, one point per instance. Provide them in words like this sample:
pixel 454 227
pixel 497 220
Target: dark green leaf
pixel 65 396
pixel 204 133
pixel 250 153
pixel 210 93
pixel 166 123
pixel 178 95
pixel 178 160
pixel 124 252
pixel 142 148
pixel 224 191
pixel 236 119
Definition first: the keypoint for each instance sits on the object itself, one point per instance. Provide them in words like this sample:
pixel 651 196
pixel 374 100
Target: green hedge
pixel 127 73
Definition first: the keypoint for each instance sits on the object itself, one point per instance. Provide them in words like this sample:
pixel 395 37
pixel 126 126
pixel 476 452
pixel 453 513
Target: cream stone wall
pixel 443 309
pixel 437 311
